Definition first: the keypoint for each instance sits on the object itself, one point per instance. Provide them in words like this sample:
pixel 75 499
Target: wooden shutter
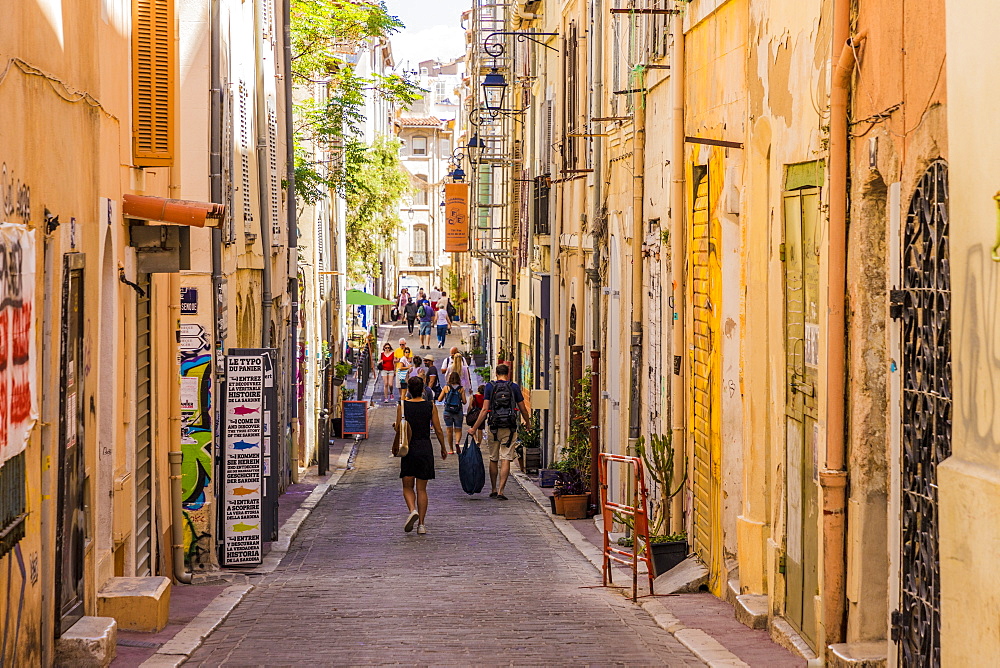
pixel 152 82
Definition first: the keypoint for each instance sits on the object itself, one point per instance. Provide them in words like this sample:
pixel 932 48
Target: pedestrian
pixel 417 466
pixel 435 295
pixel 387 368
pixel 403 366
pixel 478 400
pixel 442 326
pixel 453 396
pixel 418 362
pixel 456 362
pixel 410 313
pixel 503 403
pixel 426 315
pixel 421 373
pixel 404 297
pixel 446 304
pixel 433 377
pixel 398 352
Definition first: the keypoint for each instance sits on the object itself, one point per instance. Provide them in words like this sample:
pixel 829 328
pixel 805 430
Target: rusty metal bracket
pixel 995 253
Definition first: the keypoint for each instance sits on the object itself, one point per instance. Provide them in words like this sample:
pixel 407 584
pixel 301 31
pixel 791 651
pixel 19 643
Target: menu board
pixel 243 459
pixel 356 418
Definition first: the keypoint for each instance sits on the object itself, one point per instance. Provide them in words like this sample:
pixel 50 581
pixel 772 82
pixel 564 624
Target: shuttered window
pixel 152 82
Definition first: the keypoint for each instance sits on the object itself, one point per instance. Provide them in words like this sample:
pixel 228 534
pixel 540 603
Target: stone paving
pixel 492 583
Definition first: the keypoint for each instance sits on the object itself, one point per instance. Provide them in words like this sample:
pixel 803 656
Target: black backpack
pixel 503 410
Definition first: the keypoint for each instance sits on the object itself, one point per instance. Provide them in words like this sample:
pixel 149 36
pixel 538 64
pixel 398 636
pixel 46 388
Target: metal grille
pixel 926 414
pixel 13 510
pixel 143 434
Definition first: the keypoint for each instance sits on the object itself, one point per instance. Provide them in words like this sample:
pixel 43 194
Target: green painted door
pixel 801 256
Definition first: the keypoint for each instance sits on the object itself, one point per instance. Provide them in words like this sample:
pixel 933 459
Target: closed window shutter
pixel 277 231
pixel 245 153
pixel 152 82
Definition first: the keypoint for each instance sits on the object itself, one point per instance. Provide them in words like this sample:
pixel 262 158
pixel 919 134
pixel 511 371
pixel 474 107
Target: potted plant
pixel 340 372
pixel 529 438
pixel 668 549
pixel 484 373
pixel 478 356
pixel 574 463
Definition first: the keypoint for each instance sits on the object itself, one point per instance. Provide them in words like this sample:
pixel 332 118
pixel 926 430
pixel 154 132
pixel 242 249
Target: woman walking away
pixel 442 326
pixel 417 466
pixel 387 368
pixel 410 313
pixel 403 366
pixel 453 396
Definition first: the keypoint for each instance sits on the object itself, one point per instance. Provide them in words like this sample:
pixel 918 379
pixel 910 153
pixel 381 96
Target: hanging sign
pixel 243 458
pixel 456 217
pixel 502 291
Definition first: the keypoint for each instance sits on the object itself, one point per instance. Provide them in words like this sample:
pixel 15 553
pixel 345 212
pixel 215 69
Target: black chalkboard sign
pixel 356 418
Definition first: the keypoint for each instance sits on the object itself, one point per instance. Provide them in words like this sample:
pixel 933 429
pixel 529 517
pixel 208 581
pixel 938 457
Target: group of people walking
pixel 435 310
pixel 498 406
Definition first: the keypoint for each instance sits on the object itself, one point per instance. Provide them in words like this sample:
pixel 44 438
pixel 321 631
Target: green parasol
pixel 359 298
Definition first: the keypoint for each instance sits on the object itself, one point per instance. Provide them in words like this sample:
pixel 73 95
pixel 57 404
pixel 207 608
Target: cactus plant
pixel 658 457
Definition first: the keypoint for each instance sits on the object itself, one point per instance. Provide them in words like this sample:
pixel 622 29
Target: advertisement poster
pixel 17 339
pixel 456 217
pixel 243 460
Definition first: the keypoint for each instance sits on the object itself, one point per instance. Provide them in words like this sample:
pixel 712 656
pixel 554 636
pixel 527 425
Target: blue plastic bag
pixel 471 471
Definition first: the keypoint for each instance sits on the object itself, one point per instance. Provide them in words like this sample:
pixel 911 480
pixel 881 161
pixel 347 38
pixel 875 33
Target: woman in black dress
pixel 417 467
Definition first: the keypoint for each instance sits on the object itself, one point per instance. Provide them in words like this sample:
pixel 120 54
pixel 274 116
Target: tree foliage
pixel 327 37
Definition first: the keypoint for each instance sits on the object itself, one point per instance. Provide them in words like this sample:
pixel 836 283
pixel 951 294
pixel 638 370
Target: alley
pixel 492 583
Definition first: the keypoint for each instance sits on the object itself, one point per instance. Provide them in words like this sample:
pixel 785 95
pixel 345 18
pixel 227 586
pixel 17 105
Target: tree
pixel 369 177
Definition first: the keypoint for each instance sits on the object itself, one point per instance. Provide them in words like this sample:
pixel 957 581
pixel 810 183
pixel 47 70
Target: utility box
pixel 161 249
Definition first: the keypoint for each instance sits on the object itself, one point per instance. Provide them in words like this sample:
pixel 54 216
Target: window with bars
pixel 13 507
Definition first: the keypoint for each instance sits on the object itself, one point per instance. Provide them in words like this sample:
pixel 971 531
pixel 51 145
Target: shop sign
pixel 456 217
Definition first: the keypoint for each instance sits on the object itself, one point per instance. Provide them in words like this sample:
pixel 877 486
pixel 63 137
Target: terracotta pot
pixel 559 504
pixel 575 506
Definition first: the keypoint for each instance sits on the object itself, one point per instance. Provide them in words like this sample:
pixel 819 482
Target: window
pixel 420 256
pixel 418 146
pixel 152 82
pixel 420 196
pixel 440 91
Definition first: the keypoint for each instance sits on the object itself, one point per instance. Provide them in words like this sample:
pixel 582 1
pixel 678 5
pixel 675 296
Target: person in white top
pixel 455 362
pixel 442 326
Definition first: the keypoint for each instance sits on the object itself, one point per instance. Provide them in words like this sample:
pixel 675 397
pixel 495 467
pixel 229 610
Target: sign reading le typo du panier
pixel 243 478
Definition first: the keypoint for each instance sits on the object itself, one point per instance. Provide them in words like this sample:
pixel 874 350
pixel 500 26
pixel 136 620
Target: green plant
pixel 484 373
pixel 342 369
pixel 346 393
pixel 478 351
pixel 658 457
pixel 626 541
pixel 530 435
pixel 574 460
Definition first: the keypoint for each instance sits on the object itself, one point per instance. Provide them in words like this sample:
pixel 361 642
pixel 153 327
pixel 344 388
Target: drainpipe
pixel 293 234
pixel 215 181
pixel 597 212
pixel 677 257
pixel 638 234
pixel 175 456
pixel 263 186
pixel 834 478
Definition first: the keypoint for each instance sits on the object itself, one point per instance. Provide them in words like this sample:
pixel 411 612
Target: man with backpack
pixel 425 314
pixel 502 410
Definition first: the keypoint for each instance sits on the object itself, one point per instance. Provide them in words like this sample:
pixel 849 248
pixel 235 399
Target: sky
pixel 433 30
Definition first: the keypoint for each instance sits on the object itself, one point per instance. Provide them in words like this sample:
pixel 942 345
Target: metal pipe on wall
pixel 293 239
pixel 638 233
pixel 260 124
pixel 833 479
pixel 175 455
pixel 677 256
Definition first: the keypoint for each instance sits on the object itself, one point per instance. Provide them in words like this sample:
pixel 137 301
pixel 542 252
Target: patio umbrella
pixel 359 298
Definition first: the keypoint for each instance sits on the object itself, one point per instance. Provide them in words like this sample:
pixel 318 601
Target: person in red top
pixel 387 369
pixel 478 399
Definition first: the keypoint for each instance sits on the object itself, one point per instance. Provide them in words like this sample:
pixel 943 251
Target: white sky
pixel 433 30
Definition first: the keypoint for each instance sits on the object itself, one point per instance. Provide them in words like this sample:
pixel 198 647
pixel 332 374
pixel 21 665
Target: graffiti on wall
pixel 196 440
pixel 17 338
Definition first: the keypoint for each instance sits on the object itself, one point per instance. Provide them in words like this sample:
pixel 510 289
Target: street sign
pixel 503 291
pixel 243 459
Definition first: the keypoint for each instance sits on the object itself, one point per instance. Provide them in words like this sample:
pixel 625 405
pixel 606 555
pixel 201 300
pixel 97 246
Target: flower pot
pixel 575 506
pixel 547 477
pixel 558 504
pixel 337 380
pixel 667 555
pixel 552 502
pixel 479 360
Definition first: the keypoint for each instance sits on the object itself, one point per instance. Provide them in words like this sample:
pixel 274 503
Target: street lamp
pixel 494 91
pixel 458 174
pixel 475 148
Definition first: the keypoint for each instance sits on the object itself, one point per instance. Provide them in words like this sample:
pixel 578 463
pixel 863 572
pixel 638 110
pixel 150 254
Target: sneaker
pixel 421 529
pixel 411 519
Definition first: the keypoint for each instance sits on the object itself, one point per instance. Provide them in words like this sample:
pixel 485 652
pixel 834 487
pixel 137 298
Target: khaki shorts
pixel 496 444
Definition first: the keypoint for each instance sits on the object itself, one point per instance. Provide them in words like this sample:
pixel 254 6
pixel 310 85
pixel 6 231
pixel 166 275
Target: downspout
pixel 677 256
pixel 267 300
pixel 293 235
pixel 597 214
pixel 833 478
pixel 175 456
pixel 638 233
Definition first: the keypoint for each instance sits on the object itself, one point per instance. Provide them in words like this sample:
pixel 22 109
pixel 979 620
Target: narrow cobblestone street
pixel 492 583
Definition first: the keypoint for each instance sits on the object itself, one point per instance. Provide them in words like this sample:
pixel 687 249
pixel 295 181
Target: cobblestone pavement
pixel 491 583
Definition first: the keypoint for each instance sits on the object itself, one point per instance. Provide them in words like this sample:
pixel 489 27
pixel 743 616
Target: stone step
pixel 858 655
pixel 138 604
pixel 90 643
pixel 751 610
